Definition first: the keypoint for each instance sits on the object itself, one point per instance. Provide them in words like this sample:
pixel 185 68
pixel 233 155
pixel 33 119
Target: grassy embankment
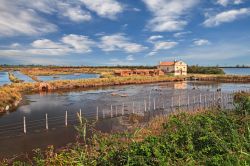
pixel 13 79
pixel 210 137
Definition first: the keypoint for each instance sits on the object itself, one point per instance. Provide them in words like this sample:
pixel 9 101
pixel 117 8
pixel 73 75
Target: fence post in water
pixel 80 113
pixel 179 103
pixel 97 113
pixel 194 103
pixel 200 101
pixel 188 102
pixel 66 118
pixel 122 108
pixel 154 103
pixel 145 105
pixel 116 110
pixel 133 108
pixel 46 117
pixel 103 114
pixel 172 102
pixel 24 125
pixel 111 113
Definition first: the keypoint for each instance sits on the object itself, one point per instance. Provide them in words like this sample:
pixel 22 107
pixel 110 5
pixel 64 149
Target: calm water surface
pixel 22 76
pixel 67 77
pixel 4 78
pixel 237 71
pixel 34 108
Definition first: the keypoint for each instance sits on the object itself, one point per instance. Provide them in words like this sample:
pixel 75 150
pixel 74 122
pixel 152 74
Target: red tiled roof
pixel 166 63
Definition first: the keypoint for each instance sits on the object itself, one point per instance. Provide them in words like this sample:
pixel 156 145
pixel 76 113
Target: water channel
pixel 35 106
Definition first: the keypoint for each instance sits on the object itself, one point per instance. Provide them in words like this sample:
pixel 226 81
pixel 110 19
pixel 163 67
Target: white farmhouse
pixel 176 67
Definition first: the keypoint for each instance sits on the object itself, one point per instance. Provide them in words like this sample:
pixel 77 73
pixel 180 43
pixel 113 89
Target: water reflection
pixel 22 76
pixel 67 77
pixel 55 105
pixel 4 78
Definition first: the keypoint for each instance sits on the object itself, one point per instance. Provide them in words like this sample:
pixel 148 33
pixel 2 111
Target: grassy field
pixel 209 137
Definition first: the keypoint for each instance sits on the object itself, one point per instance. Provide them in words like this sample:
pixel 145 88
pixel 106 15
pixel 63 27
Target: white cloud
pixel 227 2
pixel 15 45
pixel 76 14
pixel 68 44
pixel 162 45
pixel 24 17
pixel 130 58
pixel 201 42
pixel 119 42
pixel 153 38
pixel 16 19
pixel 225 17
pixel 45 43
pixel 79 43
pixel 108 8
pixel 181 34
pixel 169 15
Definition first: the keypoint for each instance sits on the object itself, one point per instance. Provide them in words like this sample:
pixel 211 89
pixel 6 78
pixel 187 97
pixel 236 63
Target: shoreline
pixel 11 95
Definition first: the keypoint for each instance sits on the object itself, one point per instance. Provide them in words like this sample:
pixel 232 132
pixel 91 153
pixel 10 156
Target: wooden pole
pixel 200 101
pixel 24 125
pixel 46 117
pixel 188 102
pixel 80 113
pixel 111 111
pixel 122 108
pixel 145 106
pixel 133 108
pixel 154 103
pixel 97 113
pixel 66 118
pixel 172 103
pixel 179 103
pixel 116 110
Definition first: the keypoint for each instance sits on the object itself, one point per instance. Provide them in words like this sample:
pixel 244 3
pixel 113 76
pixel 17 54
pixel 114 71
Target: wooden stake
pixel 80 113
pixel 46 117
pixel 97 113
pixel 133 108
pixel 24 125
pixel 122 108
pixel 111 113
pixel 66 118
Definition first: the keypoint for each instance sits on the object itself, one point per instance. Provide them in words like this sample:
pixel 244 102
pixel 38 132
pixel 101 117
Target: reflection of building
pixel 180 85
pixel 175 85
pixel 141 72
pixel 176 68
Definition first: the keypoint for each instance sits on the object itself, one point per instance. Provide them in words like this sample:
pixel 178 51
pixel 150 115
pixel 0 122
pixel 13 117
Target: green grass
pixel 205 70
pixel 211 137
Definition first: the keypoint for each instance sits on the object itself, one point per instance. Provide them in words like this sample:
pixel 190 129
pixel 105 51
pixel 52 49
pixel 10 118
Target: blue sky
pixel 124 32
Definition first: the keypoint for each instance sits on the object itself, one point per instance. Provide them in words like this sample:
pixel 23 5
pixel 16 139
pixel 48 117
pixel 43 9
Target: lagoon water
pixel 34 108
pixel 22 76
pixel 67 77
pixel 4 78
pixel 237 71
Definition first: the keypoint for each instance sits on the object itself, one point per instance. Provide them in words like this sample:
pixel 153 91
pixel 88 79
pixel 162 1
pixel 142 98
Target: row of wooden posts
pixel 147 107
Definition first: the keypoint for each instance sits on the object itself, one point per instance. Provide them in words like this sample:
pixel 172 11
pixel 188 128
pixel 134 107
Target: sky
pixel 124 32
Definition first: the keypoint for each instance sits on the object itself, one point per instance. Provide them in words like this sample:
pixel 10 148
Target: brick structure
pixel 141 72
